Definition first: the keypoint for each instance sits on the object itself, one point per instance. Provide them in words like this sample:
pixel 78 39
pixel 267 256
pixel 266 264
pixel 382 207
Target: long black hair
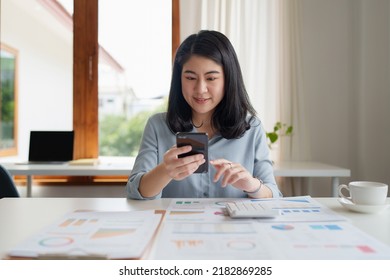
pixel 230 115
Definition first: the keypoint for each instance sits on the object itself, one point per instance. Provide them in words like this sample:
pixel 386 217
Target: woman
pixel 208 95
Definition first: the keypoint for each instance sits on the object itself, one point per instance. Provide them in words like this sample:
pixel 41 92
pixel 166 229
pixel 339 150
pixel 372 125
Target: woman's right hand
pixel 180 168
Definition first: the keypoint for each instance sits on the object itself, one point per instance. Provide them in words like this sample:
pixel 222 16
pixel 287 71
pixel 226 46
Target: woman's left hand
pixel 234 174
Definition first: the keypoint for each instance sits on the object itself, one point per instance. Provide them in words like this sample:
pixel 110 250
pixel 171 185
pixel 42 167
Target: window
pixel 8 101
pixel 134 70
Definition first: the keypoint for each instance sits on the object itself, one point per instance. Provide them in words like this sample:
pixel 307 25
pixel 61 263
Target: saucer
pixel 362 208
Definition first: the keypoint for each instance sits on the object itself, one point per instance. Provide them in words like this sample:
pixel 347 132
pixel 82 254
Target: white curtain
pixel 266 37
pixel 248 25
pixel 290 91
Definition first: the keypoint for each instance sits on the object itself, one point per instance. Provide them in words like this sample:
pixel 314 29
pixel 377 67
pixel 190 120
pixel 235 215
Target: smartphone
pixel 199 142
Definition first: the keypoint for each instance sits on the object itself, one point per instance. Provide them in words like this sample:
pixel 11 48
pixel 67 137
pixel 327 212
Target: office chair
pixel 7 185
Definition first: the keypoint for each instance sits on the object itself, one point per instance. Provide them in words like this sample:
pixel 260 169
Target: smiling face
pixel 202 86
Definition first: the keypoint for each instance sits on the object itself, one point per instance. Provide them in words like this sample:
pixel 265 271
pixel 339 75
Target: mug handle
pixel 341 187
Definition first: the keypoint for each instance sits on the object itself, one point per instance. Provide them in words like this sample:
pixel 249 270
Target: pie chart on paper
pixel 283 227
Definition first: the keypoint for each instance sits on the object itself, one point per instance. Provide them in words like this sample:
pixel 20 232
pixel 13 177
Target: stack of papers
pixel 305 229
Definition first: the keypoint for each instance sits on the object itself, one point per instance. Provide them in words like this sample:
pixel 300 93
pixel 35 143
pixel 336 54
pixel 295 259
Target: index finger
pixel 182 150
pixel 220 161
pixel 174 151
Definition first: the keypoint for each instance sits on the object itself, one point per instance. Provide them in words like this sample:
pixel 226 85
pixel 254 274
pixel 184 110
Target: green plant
pixel 280 129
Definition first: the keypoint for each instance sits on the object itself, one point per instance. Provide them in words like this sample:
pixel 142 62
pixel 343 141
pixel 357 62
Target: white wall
pixel 45 97
pixel 346 58
pixel 374 102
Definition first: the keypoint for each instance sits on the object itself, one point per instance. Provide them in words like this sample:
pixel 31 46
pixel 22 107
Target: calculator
pixel 250 209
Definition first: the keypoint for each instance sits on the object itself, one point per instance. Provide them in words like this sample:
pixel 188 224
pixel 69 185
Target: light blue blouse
pixel 251 151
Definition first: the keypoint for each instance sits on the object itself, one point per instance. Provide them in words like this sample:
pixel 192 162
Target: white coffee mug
pixel 365 192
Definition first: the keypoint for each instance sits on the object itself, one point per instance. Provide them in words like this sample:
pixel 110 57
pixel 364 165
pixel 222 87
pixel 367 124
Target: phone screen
pixel 199 142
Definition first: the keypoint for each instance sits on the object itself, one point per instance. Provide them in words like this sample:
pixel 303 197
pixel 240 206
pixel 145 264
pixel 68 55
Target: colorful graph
pixel 301 211
pixel 365 249
pixel 111 232
pixel 80 222
pixel 77 222
pixel 181 244
pixel 283 227
pixel 337 247
pixel 188 204
pixel 67 222
pixel 56 241
pixel 325 227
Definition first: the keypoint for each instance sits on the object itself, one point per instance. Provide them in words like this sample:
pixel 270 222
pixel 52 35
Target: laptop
pixel 50 147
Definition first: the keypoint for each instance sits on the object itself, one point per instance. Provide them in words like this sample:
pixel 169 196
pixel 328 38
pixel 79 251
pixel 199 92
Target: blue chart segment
pixel 283 227
pixel 325 227
pixel 313 227
pixel 308 211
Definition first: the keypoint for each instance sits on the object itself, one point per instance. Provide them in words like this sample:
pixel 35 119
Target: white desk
pixel 30 170
pixel 22 217
pixel 283 169
pixel 307 169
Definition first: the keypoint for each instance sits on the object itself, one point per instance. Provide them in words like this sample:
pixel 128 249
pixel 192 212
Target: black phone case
pixel 199 142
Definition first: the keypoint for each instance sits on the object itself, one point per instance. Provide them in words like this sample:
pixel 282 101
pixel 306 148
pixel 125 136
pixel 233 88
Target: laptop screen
pixel 51 146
